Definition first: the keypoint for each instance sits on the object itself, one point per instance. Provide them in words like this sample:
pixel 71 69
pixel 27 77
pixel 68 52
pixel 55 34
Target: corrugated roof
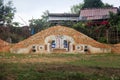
pixel 96 13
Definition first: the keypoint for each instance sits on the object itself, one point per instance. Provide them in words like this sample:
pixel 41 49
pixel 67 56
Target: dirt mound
pixel 116 48
pixel 4 46
pixel 79 38
pixel 117 45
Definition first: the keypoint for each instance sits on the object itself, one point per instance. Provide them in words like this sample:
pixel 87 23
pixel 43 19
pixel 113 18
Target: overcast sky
pixel 28 9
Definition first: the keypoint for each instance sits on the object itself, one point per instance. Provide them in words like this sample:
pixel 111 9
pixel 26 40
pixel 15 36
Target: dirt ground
pixel 87 70
pixel 34 60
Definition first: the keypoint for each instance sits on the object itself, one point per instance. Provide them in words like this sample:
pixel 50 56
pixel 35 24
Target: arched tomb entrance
pixel 59 43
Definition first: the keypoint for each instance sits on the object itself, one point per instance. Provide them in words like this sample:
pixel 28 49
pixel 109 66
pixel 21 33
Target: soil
pixel 4 46
pixel 83 69
pixel 34 60
pixel 116 48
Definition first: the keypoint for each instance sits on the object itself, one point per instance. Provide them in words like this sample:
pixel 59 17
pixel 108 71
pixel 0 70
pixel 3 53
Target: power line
pixel 23 20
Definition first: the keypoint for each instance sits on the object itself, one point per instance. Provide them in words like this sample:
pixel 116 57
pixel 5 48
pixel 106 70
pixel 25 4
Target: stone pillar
pixel 71 47
pixel 48 47
pixel 67 49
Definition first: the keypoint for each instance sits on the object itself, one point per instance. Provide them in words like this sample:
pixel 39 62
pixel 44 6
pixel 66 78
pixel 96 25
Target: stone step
pixel 59 50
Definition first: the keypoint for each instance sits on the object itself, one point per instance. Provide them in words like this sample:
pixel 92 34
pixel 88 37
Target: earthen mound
pixel 4 46
pixel 116 48
pixel 79 38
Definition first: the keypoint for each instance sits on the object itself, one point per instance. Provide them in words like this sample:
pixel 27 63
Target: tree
pixel 36 25
pixel 89 4
pixel 45 16
pixel 6 12
pixel 114 19
pixel 93 4
pixel 76 8
pixel 81 27
pixel 16 24
pixel 39 24
pixel 114 22
pixel 107 5
pixel 1 11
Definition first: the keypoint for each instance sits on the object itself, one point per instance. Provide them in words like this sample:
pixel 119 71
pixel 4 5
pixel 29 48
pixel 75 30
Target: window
pixel 65 44
pixel 85 46
pixel 86 49
pixel 34 50
pixel 78 47
pixel 84 18
pixel 53 44
pixel 41 47
pixel 33 46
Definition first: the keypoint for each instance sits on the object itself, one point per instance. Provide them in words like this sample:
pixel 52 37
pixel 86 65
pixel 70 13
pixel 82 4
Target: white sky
pixel 28 9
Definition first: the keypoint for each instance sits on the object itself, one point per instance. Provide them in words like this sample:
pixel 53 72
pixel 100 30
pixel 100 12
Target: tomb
pixel 60 39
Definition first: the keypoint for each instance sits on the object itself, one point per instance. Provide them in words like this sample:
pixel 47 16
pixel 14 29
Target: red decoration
pixel 97 23
pixel 104 23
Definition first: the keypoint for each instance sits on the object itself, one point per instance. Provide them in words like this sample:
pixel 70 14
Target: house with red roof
pixel 86 14
pixel 96 13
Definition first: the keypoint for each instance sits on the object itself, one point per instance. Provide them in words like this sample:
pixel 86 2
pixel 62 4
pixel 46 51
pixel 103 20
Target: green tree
pixel 93 4
pixel 81 27
pixel 40 24
pixel 114 19
pixel 45 16
pixel 1 11
pixel 89 4
pixel 15 24
pixel 76 8
pixel 114 22
pixel 36 24
pixel 107 5
pixel 7 12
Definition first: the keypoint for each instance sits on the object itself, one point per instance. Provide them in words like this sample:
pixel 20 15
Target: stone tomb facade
pixel 60 39
pixel 59 43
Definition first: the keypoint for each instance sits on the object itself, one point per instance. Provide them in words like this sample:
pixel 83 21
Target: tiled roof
pixel 96 13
